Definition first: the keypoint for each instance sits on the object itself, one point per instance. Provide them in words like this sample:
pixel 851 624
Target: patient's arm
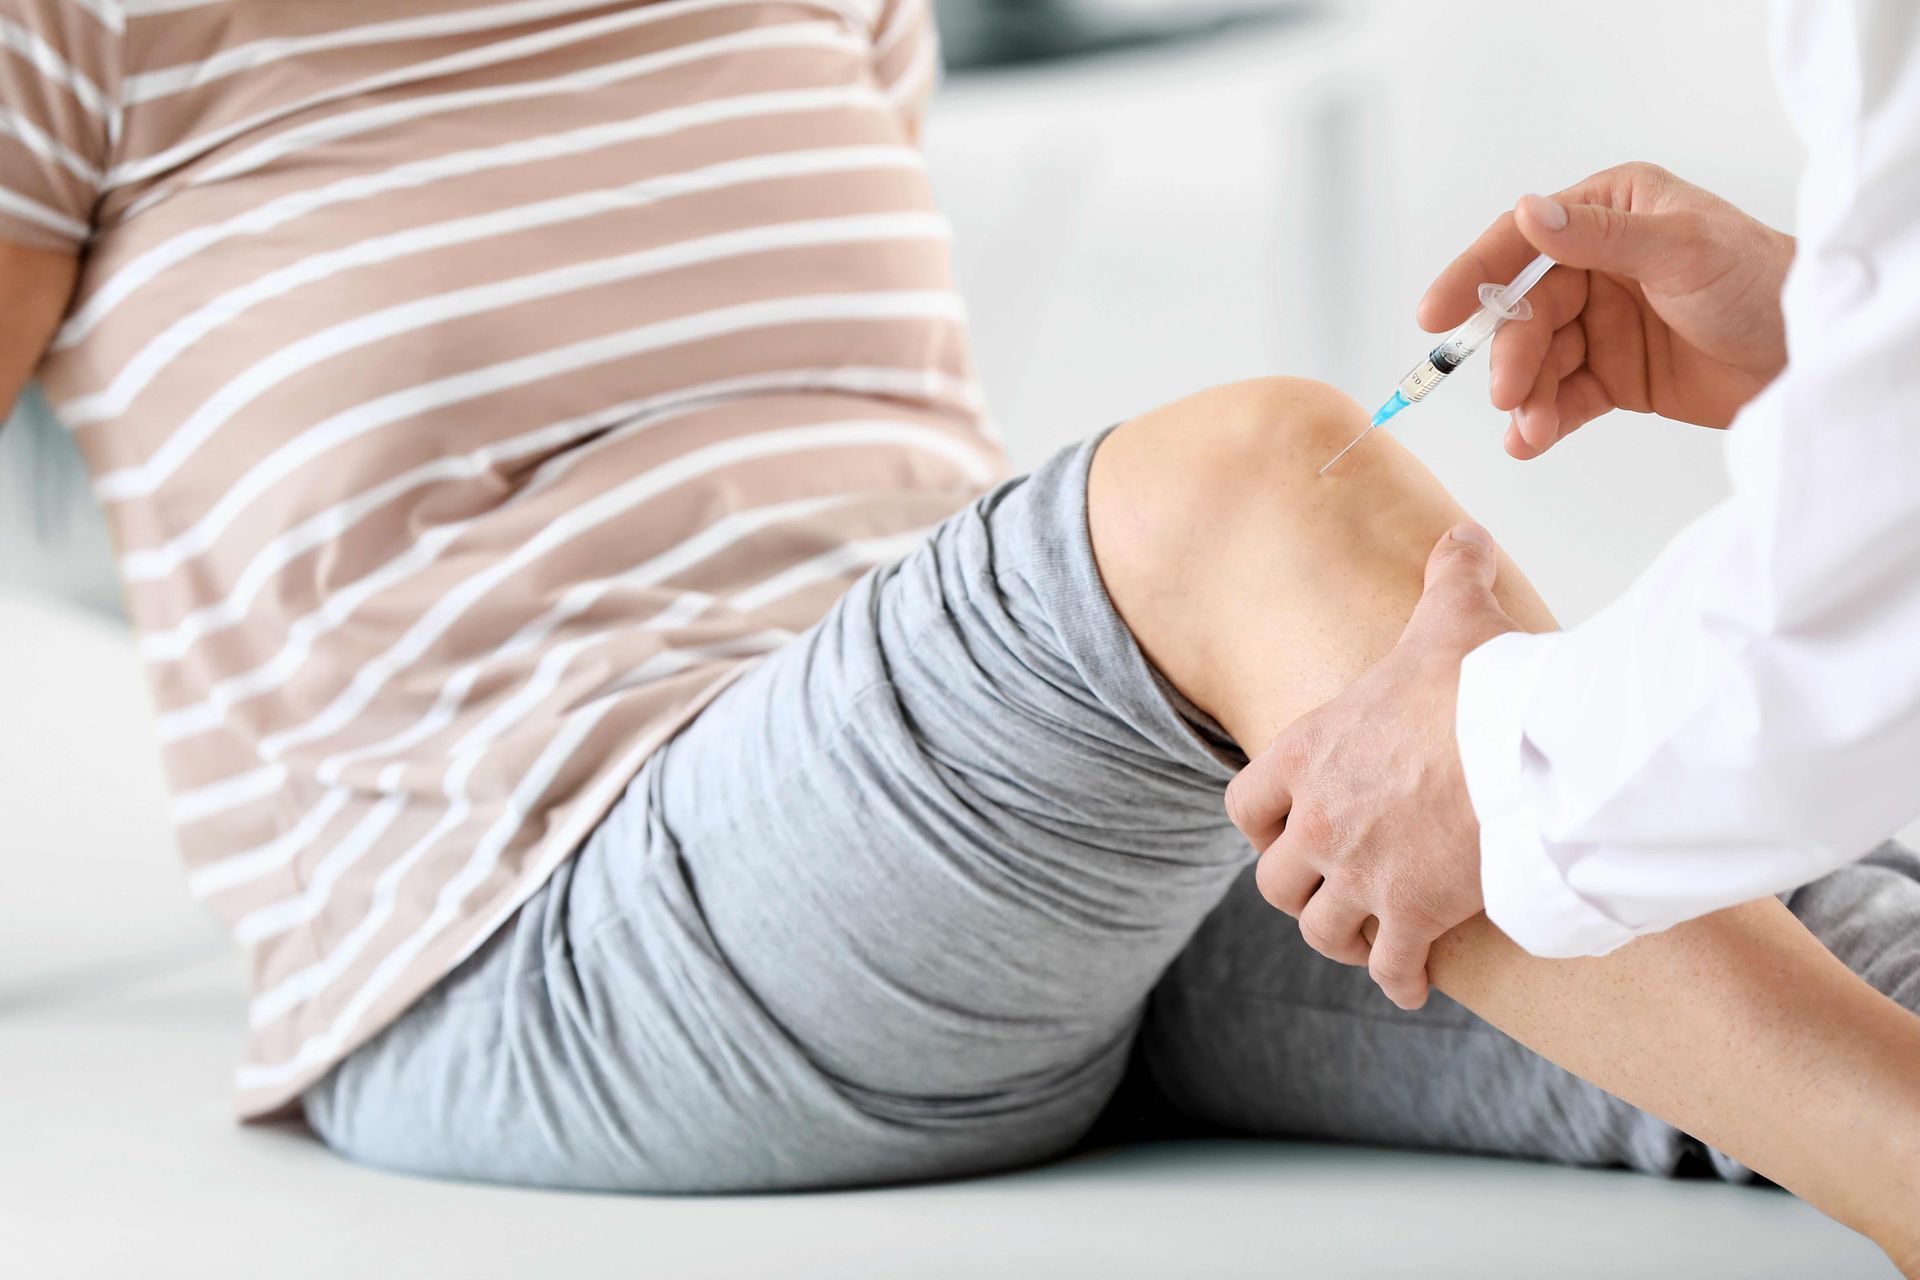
pixel 1260 591
pixel 34 287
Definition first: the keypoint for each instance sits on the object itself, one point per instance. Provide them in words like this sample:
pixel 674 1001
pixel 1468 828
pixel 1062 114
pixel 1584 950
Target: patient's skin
pixel 1322 573
pixel 1261 590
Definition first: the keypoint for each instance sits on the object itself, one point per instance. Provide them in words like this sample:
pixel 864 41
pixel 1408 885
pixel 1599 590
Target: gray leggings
pixel 908 901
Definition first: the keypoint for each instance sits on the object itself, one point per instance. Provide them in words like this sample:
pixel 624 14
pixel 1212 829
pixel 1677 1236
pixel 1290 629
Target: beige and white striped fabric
pixel 473 388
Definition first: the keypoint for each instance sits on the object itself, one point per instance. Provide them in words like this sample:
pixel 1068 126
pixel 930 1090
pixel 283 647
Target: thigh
pixel 950 841
pixel 597 1041
pixel 889 908
pixel 1253 1030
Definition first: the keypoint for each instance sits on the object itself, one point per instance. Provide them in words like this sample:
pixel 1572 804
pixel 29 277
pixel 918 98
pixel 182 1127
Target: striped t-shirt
pixel 473 388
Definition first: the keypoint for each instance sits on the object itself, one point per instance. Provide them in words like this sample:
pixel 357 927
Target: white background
pixel 1137 227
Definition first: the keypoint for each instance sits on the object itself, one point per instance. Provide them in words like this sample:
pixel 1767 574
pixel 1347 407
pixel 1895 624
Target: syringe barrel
pixel 1422 378
pixel 1497 306
pixel 1451 353
pixel 1473 333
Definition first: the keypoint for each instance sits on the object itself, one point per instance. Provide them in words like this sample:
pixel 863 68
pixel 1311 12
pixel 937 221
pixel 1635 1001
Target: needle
pixel 1349 449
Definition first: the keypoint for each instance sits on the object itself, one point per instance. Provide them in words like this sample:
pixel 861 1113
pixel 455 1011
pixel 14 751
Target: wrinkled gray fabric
pixel 893 907
pixel 888 909
pixel 1252 1030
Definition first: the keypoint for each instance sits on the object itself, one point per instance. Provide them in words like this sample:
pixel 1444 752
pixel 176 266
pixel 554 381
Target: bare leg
pixel 1260 591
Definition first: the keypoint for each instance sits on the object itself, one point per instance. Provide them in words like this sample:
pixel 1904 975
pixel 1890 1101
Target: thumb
pixel 1599 238
pixel 1463 561
pixel 1458 598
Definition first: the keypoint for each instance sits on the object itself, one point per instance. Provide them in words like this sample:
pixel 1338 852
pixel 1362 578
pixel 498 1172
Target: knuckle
pixel 1612 224
pixel 1312 828
pixel 1317 937
pixel 1237 811
pixel 1268 893
pixel 1275 885
pixel 1472 552
pixel 1293 752
pixel 1645 171
pixel 1388 974
pixel 1347 949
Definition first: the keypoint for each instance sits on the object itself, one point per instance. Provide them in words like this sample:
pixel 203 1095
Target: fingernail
pixel 1473 533
pixel 1548 212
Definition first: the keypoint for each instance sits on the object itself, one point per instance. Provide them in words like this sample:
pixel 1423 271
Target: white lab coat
pixel 1747 716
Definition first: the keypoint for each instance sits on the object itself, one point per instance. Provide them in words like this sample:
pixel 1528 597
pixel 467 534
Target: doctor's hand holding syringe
pixel 1663 299
pixel 1666 300
pixel 1656 296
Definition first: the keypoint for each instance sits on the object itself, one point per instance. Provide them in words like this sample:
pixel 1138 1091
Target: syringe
pixel 1497 306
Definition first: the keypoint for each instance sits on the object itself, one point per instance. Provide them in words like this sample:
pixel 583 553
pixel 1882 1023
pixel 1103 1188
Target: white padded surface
pixel 120 1013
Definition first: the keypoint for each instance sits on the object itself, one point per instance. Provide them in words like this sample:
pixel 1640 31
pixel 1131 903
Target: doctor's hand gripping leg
pixel 1260 591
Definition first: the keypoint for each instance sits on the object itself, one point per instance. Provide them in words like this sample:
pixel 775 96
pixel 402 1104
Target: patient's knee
pixel 1174 481
pixel 1234 563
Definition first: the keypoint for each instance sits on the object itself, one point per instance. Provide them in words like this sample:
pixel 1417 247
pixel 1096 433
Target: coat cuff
pixel 1526 892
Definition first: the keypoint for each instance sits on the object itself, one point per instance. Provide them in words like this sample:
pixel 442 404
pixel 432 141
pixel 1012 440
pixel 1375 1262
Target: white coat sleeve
pixel 1747 716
